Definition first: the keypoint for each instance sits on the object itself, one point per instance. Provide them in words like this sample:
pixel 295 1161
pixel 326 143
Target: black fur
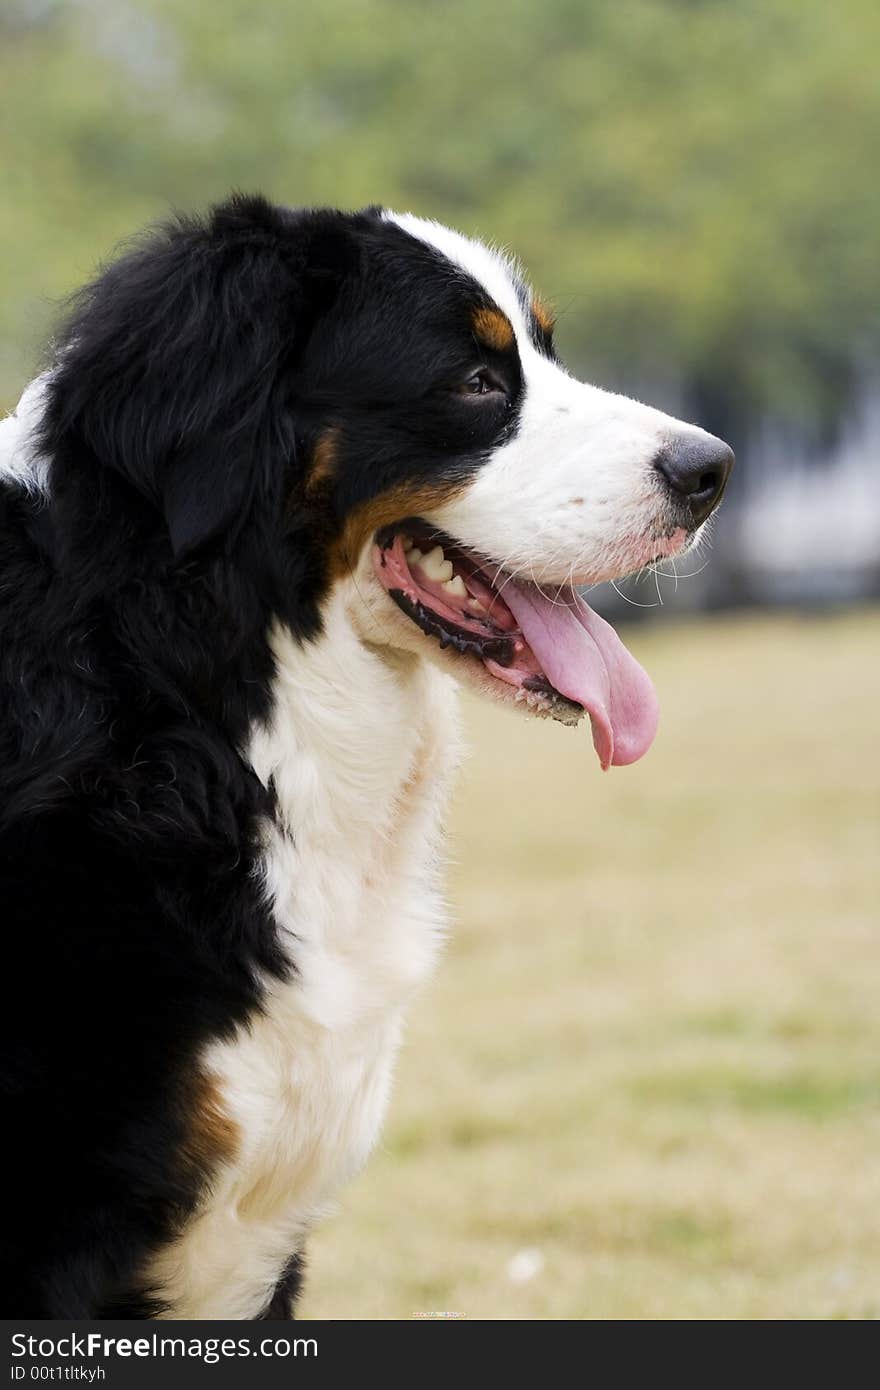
pixel 188 393
pixel 283 1300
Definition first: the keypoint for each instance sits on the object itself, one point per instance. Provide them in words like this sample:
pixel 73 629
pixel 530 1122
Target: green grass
pixel 652 1050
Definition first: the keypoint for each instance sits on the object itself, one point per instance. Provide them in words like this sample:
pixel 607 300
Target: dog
pixel 289 478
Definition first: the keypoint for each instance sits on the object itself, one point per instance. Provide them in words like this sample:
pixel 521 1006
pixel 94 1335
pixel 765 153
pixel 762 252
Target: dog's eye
pixel 482 383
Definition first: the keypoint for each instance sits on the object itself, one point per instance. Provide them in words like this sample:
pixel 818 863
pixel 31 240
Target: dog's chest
pixel 350 866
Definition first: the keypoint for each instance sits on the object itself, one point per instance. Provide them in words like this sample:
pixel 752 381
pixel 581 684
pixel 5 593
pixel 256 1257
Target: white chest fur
pixel 360 749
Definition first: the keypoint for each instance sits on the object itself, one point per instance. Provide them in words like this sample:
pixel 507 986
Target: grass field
pixel 647 1071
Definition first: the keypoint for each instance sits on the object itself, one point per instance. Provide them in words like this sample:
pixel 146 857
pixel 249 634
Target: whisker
pixel 626 598
pixel 691 574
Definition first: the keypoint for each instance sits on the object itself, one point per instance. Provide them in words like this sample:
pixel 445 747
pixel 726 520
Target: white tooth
pixel 433 564
pixel 445 572
pixel 414 555
pixel 456 586
pixel 475 604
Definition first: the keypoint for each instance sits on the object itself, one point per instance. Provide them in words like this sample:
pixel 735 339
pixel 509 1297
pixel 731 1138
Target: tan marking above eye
pixel 493 329
pixel 544 315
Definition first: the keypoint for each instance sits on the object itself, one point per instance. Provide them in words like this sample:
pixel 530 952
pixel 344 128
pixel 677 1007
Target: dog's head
pixel 374 399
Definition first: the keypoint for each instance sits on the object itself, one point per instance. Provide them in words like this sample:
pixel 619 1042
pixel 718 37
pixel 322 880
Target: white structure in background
pixel 525 1265
pixel 811 530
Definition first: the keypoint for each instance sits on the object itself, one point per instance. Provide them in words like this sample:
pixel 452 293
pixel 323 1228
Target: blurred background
pixel 646 1080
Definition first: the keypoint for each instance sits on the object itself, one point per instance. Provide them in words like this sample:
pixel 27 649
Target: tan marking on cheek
pixel 212 1136
pixel 323 462
pixel 493 329
pixel 384 510
pixel 544 315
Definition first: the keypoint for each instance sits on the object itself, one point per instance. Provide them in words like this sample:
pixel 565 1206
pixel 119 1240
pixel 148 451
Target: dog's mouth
pixel 547 650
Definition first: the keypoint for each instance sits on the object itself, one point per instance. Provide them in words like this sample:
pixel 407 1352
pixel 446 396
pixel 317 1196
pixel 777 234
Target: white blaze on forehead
pixel 496 271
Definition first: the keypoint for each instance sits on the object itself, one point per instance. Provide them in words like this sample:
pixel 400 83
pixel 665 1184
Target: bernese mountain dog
pixel 289 477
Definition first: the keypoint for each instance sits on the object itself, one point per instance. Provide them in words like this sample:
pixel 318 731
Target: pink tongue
pixel 583 657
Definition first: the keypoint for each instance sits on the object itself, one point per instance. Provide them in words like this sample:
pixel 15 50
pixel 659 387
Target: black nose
pixel 697 469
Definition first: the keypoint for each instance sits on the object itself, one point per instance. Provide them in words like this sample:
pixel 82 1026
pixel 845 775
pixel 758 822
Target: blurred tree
pixel 689 179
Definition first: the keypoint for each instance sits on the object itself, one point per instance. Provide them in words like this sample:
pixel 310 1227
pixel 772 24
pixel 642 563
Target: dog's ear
pixel 174 370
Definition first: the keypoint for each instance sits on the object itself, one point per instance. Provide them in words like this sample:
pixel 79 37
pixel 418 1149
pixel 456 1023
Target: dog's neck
pixel 354 729
pixel 359 750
